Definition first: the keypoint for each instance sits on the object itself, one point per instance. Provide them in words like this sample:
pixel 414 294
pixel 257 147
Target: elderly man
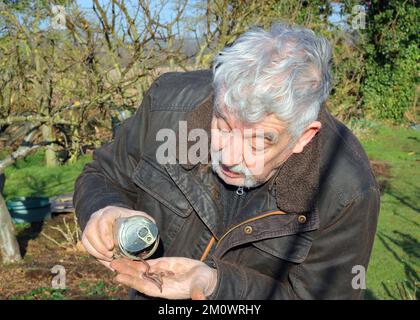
pixel 284 207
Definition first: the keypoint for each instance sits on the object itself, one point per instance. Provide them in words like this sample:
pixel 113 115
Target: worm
pixel 155 278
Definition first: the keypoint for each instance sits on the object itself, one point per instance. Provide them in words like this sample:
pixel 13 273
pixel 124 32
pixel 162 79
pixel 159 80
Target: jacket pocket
pixel 293 248
pixel 154 181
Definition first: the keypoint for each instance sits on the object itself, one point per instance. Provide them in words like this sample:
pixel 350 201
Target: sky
pixel 166 14
pixel 168 11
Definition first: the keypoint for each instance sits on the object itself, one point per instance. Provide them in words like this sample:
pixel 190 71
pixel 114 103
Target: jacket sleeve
pixel 329 270
pixel 107 179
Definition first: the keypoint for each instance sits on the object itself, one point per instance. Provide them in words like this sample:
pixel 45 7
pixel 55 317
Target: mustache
pixel 216 162
pixel 239 168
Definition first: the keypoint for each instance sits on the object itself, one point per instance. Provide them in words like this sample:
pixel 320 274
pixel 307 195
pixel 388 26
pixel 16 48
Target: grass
pixel 394 266
pixel 95 290
pixel 29 177
pixel 42 294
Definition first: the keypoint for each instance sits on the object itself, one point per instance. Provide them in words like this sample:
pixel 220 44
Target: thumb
pixel 204 283
pixel 197 291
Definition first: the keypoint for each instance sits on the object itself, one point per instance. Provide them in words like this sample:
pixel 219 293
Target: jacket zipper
pixel 240 191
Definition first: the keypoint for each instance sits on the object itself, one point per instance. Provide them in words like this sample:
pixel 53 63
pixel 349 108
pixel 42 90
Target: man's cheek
pixel 255 164
pixel 259 169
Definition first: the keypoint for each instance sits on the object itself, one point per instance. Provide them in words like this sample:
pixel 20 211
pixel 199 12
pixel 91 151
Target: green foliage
pixel 41 294
pixel 375 68
pixel 312 14
pixel 348 66
pixel 392 56
pixel 97 289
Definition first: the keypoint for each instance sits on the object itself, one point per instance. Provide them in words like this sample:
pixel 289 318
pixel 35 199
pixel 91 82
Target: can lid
pixel 136 234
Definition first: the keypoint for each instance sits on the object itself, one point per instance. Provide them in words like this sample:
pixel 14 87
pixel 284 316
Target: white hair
pixel 285 71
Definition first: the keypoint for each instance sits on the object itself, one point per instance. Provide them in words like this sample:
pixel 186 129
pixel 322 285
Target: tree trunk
pixel 9 247
pixel 75 139
pixel 50 155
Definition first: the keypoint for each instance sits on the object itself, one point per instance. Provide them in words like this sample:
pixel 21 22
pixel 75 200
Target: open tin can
pixel 135 237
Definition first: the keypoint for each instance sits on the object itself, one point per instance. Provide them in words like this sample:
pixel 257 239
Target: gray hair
pixel 285 71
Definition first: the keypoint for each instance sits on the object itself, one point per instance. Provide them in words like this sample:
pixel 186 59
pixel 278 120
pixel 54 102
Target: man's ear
pixel 306 136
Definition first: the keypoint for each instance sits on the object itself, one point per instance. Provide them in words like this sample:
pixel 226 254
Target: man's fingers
pixel 197 291
pixel 132 282
pixel 169 264
pixel 106 264
pixel 96 242
pixel 126 213
pixel 128 267
pixel 91 249
pixel 106 232
pixel 126 280
pixel 197 295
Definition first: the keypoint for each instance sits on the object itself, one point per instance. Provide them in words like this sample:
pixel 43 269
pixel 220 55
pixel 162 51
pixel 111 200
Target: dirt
pixel 382 172
pixel 32 278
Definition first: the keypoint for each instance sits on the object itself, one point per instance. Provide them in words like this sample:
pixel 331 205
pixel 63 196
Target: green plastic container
pixel 29 209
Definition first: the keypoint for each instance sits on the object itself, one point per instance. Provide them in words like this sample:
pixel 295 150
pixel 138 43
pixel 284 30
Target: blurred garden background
pixel 72 71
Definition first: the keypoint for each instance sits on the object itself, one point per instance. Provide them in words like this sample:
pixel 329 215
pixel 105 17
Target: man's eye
pixel 259 144
pixel 268 140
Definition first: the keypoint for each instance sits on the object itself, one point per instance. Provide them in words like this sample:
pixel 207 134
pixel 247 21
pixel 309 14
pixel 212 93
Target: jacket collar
pixel 297 180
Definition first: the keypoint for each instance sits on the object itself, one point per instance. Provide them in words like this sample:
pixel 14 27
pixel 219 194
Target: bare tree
pixel 9 247
pixel 67 82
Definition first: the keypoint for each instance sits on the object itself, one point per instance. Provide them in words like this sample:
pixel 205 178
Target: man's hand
pixel 188 279
pixel 98 236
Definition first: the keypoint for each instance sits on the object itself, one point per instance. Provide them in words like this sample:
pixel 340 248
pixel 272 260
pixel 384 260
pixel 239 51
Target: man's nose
pixel 232 151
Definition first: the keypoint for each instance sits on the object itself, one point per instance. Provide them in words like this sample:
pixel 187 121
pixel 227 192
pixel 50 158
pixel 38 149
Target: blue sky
pixel 166 14
pixel 168 11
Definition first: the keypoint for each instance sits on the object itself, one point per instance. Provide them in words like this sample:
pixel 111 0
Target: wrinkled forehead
pixel 269 122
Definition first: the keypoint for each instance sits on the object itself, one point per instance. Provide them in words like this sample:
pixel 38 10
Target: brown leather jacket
pixel 300 238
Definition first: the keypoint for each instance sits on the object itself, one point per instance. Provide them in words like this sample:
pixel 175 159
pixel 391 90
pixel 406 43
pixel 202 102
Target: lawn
pixel 394 267
pixel 29 177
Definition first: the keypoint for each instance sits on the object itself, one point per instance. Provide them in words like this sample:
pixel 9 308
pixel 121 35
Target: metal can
pixel 135 237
